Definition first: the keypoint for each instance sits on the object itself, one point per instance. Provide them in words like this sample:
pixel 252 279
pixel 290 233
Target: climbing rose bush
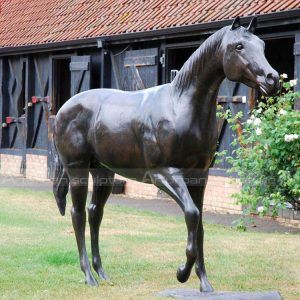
pixel 267 160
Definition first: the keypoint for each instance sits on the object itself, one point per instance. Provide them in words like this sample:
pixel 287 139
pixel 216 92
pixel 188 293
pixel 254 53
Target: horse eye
pixel 239 47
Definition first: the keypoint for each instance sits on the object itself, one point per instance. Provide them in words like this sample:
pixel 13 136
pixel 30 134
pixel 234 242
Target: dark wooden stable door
pixel 236 97
pixel 79 69
pixel 39 109
pixel 135 69
pixel 13 102
pixel 140 69
pixel 80 74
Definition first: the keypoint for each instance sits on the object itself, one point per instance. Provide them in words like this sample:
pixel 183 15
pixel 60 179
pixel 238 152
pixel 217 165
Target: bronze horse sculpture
pixel 165 135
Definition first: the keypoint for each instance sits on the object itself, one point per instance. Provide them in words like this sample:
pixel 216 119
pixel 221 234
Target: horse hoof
pixel 91 281
pixel 102 275
pixel 183 274
pixel 205 287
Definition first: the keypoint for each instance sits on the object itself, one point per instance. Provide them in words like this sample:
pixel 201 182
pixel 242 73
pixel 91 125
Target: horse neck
pixel 198 81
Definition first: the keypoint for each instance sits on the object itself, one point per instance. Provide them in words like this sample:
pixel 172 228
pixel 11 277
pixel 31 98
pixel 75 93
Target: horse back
pixel 109 124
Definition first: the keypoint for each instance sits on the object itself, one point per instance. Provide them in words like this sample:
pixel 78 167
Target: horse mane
pixel 196 63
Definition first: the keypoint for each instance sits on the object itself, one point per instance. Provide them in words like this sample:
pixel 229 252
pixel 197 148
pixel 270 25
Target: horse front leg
pixel 172 182
pixel 197 194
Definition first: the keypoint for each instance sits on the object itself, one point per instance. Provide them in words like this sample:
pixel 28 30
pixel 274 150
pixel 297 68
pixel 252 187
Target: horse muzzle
pixel 270 85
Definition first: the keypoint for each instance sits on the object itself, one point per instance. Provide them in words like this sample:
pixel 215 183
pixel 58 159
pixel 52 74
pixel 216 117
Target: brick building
pixel 51 50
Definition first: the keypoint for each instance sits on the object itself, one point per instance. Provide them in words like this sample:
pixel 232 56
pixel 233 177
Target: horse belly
pixel 118 149
pixel 125 160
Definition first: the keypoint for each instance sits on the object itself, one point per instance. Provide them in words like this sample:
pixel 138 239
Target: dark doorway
pixel 280 55
pixel 176 57
pixel 61 82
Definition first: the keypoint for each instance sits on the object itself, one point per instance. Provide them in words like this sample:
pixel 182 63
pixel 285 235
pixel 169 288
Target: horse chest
pixel 195 151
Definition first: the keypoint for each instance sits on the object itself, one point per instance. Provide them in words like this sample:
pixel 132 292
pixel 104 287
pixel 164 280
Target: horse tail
pixel 60 180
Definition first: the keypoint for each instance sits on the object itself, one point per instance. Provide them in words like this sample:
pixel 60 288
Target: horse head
pixel 244 59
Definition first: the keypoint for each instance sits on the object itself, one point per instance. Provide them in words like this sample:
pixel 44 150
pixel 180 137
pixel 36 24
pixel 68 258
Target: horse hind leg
pixel 102 186
pixel 78 176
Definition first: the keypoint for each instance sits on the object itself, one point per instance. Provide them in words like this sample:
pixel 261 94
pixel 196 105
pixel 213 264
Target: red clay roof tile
pixel 32 22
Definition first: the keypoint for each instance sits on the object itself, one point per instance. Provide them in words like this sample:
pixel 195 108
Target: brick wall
pixel 217 194
pixel 36 167
pixel 10 164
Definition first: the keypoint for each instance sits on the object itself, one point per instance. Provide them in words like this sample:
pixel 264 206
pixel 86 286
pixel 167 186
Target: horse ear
pixel 252 26
pixel 236 23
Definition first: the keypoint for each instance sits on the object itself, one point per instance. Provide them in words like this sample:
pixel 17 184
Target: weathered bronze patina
pixel 165 135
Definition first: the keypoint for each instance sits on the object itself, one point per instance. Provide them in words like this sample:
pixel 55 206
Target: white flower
pixel 293 82
pixel 259 110
pixel 291 137
pixel 258 131
pixel 287 138
pixel 257 121
pixel 249 121
pixel 284 76
pixel 260 209
pixel 252 117
pixel 282 112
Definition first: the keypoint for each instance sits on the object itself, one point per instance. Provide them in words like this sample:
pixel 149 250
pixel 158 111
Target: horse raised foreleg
pixel 78 183
pixel 172 182
pixel 197 193
pixel 102 186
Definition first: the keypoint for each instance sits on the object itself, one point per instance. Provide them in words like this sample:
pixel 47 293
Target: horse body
pixel 166 135
pixel 132 132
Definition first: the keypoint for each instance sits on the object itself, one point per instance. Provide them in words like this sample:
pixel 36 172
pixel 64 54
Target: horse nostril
pixel 270 79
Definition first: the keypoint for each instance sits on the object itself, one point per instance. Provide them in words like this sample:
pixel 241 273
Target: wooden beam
pixel 105 69
pixel 297 66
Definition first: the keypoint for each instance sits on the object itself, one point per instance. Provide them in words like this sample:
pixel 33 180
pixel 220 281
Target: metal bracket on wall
pixel 162 60
pixel 10 120
pixel 36 99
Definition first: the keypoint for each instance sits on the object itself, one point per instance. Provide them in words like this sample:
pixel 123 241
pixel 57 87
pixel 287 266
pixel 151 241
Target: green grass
pixel 140 251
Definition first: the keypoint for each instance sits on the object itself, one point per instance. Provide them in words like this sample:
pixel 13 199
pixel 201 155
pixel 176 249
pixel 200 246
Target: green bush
pixel 267 160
